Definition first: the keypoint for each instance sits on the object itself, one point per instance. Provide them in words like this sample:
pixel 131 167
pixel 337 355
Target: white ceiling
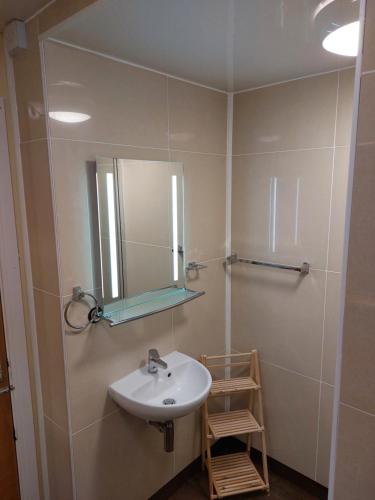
pixel 18 9
pixel 226 44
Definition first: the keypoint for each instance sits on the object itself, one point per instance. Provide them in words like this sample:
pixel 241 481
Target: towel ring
pixel 94 315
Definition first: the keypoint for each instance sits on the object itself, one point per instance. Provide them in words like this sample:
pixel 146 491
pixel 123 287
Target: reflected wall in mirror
pixel 140 210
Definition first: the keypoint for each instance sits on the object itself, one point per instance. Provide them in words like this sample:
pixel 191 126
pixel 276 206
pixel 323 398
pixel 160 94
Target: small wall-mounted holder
pixel 194 266
pixel 95 313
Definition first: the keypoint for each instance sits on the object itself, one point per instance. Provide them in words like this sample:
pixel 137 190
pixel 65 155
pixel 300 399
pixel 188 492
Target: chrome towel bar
pixel 303 269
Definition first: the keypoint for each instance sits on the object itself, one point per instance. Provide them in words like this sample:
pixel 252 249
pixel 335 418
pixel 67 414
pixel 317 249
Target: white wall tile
pixel 281 206
pixel 291 418
pixel 127 105
pixel 295 115
pixel 279 313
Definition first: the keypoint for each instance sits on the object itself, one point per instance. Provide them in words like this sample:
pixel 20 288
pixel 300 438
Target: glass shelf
pixel 147 303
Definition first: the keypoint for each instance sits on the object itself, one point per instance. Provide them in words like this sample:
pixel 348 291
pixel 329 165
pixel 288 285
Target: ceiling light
pixel 344 40
pixel 322 5
pixel 68 116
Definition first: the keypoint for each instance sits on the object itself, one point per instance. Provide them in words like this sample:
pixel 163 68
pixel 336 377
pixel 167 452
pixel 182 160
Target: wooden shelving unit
pixel 234 473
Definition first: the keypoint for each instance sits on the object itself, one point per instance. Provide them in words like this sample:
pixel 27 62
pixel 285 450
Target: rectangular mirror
pixel 140 212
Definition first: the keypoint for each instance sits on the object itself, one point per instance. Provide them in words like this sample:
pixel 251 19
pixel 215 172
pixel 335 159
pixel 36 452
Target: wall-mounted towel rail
pixel 95 313
pixel 303 269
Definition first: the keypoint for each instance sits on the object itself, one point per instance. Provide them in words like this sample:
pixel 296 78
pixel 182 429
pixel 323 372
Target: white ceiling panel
pixel 226 44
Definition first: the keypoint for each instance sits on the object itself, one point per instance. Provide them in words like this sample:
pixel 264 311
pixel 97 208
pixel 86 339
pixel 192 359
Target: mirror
pixel 140 213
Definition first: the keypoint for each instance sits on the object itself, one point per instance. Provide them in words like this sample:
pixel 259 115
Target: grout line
pixel 105 143
pixel 339 344
pixel 46 292
pixel 39 11
pixel 294 372
pixel 368 72
pixel 145 244
pixel 311 75
pixel 326 274
pixel 333 168
pixel 154 148
pixel 370 143
pixel 357 409
pixel 321 148
pixel 135 65
pixel 65 431
pixel 30 141
pixel 228 237
pixel 289 370
pixel 98 420
pixel 321 374
pixel 324 270
pixel 222 155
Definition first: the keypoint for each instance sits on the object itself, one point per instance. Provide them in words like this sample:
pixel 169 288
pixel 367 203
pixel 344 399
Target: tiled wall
pixel 355 461
pixel 290 169
pixel 136 114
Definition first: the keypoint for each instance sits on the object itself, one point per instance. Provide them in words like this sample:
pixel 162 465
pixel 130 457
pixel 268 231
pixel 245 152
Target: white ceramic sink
pixel 186 381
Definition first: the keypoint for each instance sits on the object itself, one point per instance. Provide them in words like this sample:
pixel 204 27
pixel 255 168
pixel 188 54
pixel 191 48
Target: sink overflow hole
pixel 169 401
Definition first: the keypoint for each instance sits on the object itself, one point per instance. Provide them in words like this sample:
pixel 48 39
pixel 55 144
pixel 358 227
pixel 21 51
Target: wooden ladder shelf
pixel 234 473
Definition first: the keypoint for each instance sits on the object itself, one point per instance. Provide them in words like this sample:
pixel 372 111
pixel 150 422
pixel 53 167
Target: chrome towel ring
pixel 94 315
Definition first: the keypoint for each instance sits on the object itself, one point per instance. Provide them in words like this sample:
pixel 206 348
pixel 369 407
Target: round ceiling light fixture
pixel 69 116
pixel 344 41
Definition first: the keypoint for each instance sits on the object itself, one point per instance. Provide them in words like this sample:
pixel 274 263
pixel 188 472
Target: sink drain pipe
pixel 167 428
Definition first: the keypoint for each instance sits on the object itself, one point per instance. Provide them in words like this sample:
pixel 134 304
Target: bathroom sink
pixel 170 393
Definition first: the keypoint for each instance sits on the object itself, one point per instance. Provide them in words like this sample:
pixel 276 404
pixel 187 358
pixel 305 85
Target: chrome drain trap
pixel 169 401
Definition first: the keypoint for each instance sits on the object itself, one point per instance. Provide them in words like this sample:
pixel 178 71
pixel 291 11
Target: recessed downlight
pixel 344 41
pixel 69 116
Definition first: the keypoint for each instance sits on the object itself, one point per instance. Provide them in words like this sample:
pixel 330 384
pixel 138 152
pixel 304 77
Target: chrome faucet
pixel 154 360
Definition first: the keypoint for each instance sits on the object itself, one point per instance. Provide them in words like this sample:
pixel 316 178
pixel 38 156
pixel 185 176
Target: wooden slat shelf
pixel 240 384
pixel 234 474
pixel 232 423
